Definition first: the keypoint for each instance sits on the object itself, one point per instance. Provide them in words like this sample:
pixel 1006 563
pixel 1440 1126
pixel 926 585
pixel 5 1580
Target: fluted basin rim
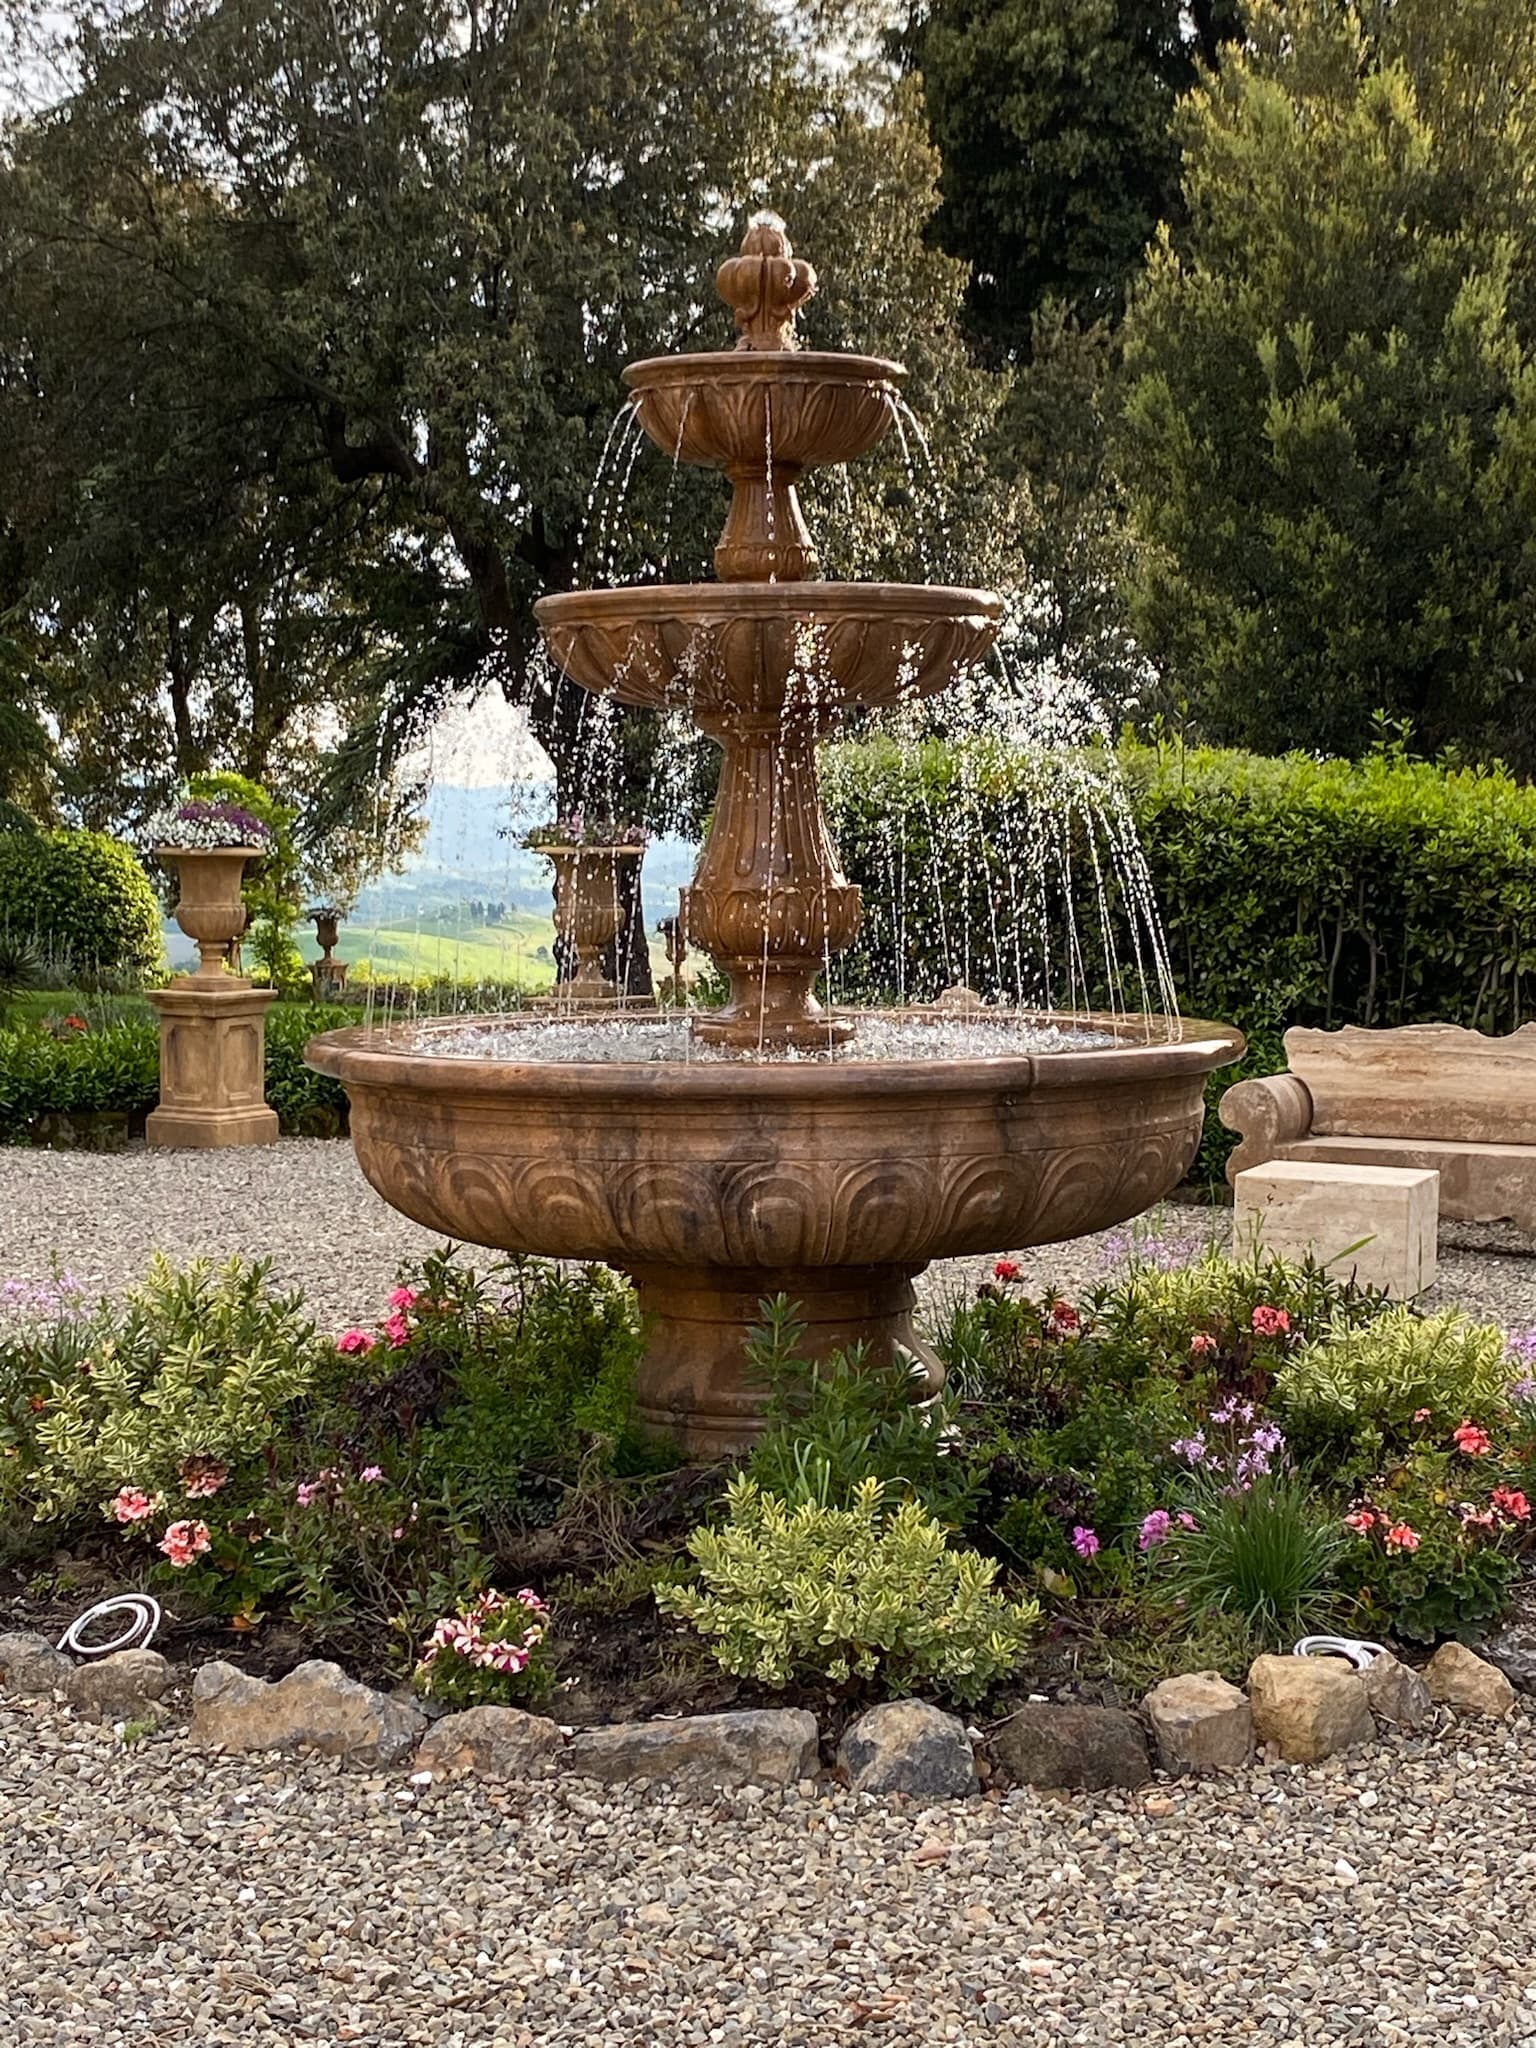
pixel 641 602
pixel 747 366
pixel 378 1056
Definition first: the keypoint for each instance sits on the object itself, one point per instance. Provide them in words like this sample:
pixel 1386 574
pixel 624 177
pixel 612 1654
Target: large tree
pixel 1052 120
pixel 1330 439
pixel 364 273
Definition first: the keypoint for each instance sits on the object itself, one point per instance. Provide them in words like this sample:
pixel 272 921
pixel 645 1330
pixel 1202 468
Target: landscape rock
pixel 122 1687
pixel 30 1664
pixel 1458 1677
pixel 908 1746
pixel 1513 1646
pixel 768 1746
pixel 1308 1707
pixel 1201 1723
pixel 1397 1693
pixel 316 1707
pixel 494 1742
pixel 1081 1748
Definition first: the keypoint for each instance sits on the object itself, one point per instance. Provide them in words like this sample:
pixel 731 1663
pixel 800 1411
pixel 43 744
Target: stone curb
pixel 1296 1710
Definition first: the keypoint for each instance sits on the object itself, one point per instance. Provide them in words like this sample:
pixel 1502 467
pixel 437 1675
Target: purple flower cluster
pixel 1165 1251
pixel 1522 1351
pixel 204 824
pixel 1247 1452
pixel 44 1300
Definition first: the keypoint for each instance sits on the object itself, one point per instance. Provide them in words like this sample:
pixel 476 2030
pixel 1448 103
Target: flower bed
pixel 1187 1467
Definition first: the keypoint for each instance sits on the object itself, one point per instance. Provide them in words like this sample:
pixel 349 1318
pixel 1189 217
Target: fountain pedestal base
pixel 695 1384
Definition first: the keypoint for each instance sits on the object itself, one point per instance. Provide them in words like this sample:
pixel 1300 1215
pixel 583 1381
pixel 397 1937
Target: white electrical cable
pixel 142 1607
pixel 1360 1654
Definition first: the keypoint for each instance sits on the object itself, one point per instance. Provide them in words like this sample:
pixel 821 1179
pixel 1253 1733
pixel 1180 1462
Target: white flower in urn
pixel 207 825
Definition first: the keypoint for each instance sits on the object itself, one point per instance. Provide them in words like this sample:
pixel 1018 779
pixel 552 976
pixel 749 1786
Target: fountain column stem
pixel 769 902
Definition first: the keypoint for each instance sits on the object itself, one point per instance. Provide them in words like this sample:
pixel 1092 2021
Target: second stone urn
pixel 591 890
pixel 212 1023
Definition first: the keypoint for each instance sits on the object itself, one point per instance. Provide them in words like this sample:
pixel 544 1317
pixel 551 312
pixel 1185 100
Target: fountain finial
pixel 766 285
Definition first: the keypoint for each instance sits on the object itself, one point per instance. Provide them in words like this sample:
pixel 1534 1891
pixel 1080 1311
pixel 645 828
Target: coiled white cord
pixel 144 1611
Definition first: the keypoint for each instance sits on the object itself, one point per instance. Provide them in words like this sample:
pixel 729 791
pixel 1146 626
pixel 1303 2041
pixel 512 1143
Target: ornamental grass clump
pixel 867 1592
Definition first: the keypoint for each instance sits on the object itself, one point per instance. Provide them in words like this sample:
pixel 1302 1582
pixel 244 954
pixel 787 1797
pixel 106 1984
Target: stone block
pixel 1309 1707
pixel 493 1742
pixel 1201 1723
pixel 911 1747
pixel 1290 1207
pixel 761 1746
pixel 1397 1693
pixel 1458 1677
pixel 316 1707
pixel 1076 1748
pixel 122 1687
pixel 30 1665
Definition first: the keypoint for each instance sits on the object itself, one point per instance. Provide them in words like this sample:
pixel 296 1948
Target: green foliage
pixel 1455 1582
pixel 536 1366
pixel 1354 1395
pixel 80 898
pixel 196 1365
pixel 309 1105
pixel 865 1592
pixel 1052 123
pixel 1291 890
pixel 835 1422
pixel 1331 385
pixel 1269 1555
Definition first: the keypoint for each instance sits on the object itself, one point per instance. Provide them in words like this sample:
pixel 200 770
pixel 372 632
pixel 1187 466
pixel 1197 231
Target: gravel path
pixel 305 1204
pixel 162 1895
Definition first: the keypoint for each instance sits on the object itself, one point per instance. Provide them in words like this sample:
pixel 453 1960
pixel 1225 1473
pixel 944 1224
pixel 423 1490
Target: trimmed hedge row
pixel 1291 890
pixel 81 899
pixel 117 1067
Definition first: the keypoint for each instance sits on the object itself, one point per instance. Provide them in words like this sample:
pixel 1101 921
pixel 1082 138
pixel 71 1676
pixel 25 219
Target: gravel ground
pixel 162 1895
pixel 305 1204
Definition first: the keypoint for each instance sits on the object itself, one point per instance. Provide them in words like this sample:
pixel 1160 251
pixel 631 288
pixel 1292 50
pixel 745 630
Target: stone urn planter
pixel 209 906
pixel 590 892
pixel 212 1023
pixel 328 975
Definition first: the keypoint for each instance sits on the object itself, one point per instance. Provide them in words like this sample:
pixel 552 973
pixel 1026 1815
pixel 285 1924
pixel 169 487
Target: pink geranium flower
pixel 132 1504
pixel 1202 1345
pixel 1471 1441
pixel 1362 1521
pixel 1512 1502
pixel 1401 1537
pixel 1007 1269
pixel 202 1478
pixel 397 1329
pixel 184 1541
pixel 351 1341
pixel 1271 1322
pixel 405 1297
pixel 371 1474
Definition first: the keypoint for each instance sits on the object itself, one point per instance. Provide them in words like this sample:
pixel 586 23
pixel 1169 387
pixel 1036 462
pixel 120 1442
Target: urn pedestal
pixel 213 1025
pixel 213 1043
pixel 588 913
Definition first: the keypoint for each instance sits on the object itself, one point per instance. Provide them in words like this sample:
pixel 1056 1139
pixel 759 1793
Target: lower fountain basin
pixel 717 1183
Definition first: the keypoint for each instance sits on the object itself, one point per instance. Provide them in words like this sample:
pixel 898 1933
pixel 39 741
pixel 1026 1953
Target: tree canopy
pixel 1330 426
pixel 314 313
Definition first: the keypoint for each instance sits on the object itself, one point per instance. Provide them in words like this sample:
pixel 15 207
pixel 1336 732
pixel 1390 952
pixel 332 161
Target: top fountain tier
pixel 767 410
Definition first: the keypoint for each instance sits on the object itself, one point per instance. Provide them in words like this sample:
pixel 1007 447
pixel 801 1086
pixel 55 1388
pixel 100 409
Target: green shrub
pixel 835 1422
pixel 191 1372
pixel 308 1105
pixel 863 1592
pixel 1352 1395
pixel 1291 891
pixel 80 898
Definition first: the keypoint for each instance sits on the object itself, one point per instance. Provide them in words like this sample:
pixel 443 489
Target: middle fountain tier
pixel 766 661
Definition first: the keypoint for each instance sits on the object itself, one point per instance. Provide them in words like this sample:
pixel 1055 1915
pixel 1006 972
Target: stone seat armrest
pixel 1267 1113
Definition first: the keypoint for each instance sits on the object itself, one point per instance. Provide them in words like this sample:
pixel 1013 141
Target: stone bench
pixel 1432 1096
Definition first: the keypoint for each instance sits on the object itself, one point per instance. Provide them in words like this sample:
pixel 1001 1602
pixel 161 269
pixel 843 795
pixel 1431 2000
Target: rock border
pixel 1297 1710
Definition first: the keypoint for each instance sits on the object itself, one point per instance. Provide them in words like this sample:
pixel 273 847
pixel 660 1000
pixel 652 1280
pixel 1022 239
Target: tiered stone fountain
pixel 780 1157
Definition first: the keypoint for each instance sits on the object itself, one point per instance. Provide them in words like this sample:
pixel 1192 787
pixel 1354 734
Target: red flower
pixel 1471 1441
pixel 1360 1521
pixel 1063 1319
pixel 1513 1503
pixel 1401 1537
pixel 1271 1322
pixel 1007 1269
